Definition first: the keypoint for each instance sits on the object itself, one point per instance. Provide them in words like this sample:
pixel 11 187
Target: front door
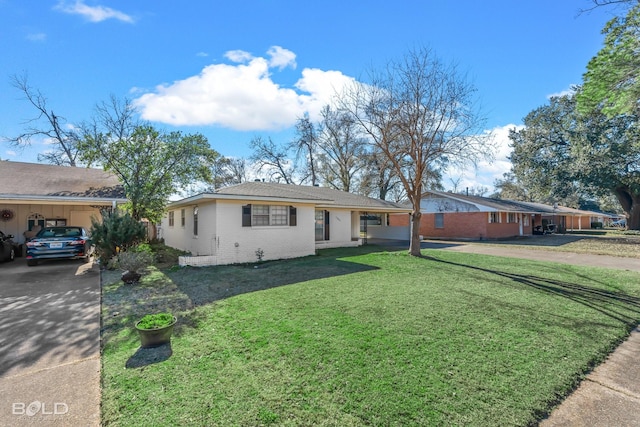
pixel 322 225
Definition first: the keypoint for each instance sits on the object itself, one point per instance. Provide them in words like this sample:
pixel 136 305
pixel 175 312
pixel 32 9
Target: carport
pixel 39 195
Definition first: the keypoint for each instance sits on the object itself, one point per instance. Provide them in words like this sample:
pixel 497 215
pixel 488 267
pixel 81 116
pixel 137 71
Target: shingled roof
pixel 36 180
pixel 323 195
pixel 506 205
pixel 290 193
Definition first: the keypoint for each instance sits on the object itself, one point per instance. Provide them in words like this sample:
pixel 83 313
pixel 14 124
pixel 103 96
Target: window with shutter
pixel 246 216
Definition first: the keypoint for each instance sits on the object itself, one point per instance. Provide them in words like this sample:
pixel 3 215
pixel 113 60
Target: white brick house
pixel 279 220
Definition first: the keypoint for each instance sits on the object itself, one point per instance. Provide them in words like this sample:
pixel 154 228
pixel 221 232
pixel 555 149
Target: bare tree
pixel 305 146
pixel 617 3
pixel 227 171
pixel 456 182
pixel 379 179
pixel 238 170
pixel 273 159
pixel 47 124
pixel 342 149
pixel 422 115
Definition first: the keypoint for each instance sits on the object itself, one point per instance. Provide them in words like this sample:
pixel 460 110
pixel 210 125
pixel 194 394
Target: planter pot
pixel 131 277
pixel 155 337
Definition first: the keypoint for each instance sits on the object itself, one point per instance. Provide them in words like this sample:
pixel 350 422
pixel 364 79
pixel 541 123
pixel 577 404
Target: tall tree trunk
pixel 630 202
pixel 633 221
pixel 414 245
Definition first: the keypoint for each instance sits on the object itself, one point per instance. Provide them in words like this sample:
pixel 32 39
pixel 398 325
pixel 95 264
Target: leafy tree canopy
pixel 152 165
pixel 612 82
pixel 562 153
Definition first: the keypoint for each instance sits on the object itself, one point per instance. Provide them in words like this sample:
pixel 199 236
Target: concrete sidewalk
pixel 609 396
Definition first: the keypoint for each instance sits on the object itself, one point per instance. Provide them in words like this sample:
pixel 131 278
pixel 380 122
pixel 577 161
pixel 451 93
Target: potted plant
pixel 130 263
pixel 155 329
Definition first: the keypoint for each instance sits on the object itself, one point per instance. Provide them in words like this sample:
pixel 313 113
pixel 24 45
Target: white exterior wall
pixel 388 232
pixel 177 236
pixel 238 244
pixel 221 234
pixel 340 229
pixel 435 204
pixel 183 238
pixel 19 224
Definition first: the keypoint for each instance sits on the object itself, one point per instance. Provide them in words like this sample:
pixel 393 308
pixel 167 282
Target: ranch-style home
pixel 459 216
pixel 258 220
pixel 34 195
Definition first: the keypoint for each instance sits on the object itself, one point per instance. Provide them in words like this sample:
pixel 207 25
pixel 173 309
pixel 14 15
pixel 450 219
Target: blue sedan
pixel 59 242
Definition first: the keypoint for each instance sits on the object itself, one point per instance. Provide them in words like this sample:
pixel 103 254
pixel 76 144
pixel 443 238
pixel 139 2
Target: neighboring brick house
pixel 34 194
pixel 235 224
pixel 458 216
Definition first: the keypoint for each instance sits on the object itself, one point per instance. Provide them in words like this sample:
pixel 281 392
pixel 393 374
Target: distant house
pixel 39 195
pixel 458 216
pixel 245 222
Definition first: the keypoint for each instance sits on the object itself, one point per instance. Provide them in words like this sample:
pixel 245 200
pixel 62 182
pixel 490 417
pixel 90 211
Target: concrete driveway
pixel 49 343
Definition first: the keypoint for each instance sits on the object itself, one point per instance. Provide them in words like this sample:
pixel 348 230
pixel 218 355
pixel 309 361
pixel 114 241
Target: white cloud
pixel 11 153
pixel 202 54
pixel 36 37
pixel 93 13
pixel 281 58
pixel 570 91
pixel 239 56
pixel 242 96
pixel 487 172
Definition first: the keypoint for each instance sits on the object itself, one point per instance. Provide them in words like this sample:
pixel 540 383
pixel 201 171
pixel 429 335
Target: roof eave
pixel 27 199
pixel 247 198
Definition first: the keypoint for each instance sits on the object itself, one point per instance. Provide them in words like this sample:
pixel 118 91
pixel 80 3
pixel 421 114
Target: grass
pixel 362 336
pixel 614 243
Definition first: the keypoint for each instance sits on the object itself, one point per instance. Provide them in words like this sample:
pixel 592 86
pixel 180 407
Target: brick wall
pixel 237 244
pixel 462 225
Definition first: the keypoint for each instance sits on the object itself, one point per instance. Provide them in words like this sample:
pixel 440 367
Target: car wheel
pixel 32 262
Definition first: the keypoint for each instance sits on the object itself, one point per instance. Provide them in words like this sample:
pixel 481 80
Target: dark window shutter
pixel 246 216
pixel 326 225
pixel 293 216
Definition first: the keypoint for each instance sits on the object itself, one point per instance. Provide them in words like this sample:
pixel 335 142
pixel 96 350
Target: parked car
pixel 621 223
pixel 7 247
pixel 68 242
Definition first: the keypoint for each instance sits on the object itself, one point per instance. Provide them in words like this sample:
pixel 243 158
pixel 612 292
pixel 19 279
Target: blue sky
pixel 232 70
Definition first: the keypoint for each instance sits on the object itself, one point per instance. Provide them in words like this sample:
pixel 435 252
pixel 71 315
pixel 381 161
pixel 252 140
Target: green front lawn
pixel 363 337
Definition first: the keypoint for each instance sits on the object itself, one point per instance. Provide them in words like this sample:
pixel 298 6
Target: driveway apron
pixel 49 344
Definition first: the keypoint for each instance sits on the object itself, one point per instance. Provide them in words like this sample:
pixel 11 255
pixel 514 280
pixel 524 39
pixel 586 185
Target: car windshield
pixel 60 232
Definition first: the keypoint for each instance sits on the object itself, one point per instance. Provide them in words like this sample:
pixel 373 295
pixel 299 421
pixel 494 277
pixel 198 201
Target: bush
pixel 116 232
pixel 596 224
pixel 165 256
pixel 133 261
pixel 155 321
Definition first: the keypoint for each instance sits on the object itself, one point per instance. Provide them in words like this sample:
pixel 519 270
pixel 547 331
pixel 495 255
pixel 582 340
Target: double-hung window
pixel 260 215
pixel 266 215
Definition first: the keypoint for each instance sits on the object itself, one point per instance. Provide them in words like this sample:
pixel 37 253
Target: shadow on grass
pixel 616 305
pixel 204 285
pixel 181 291
pixel 148 356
